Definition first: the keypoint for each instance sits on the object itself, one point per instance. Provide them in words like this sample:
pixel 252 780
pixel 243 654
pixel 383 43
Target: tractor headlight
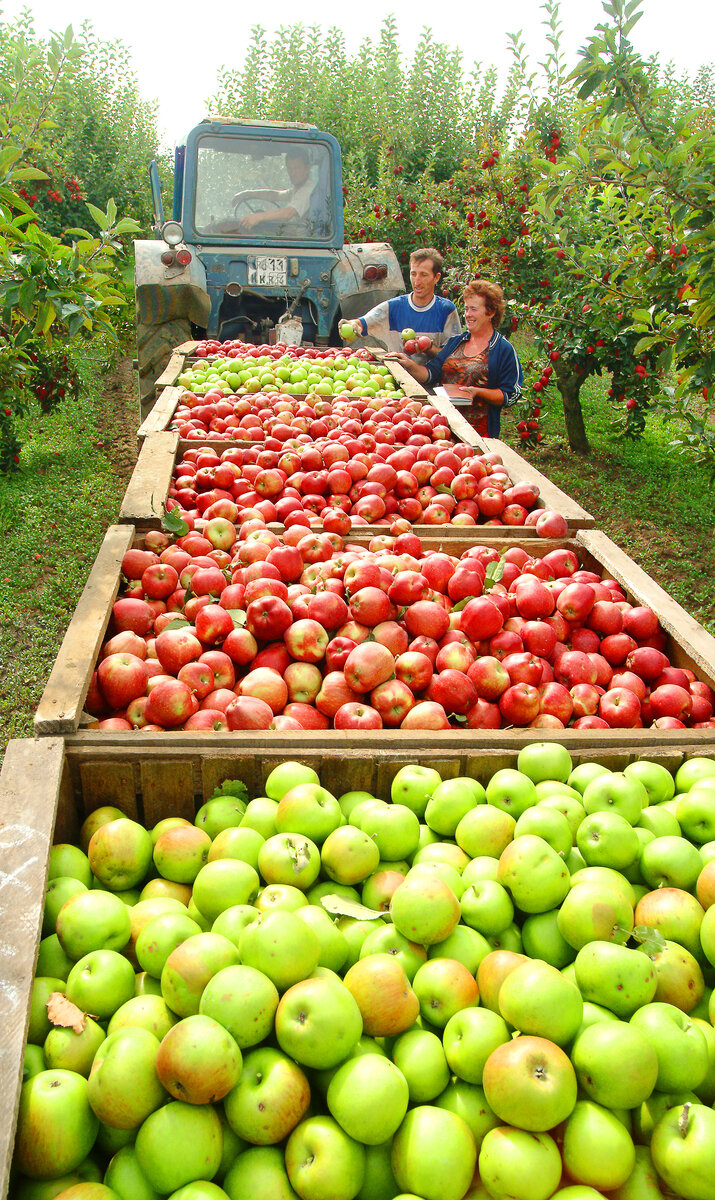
pixel 172 233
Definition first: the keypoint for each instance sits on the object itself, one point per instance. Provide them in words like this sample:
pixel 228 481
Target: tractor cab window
pixel 265 188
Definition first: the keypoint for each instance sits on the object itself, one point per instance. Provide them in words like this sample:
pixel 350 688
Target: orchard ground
pixel 74 469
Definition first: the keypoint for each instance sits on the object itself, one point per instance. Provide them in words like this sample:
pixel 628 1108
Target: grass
pixel 655 503
pixel 54 512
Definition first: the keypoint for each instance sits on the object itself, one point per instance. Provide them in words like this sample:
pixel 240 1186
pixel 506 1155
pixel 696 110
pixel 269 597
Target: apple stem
pixel 684 1119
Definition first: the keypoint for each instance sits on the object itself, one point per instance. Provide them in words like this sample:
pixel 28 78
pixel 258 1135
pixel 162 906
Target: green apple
pixel 323 1162
pixel 260 815
pixel 289 858
pixel 481 867
pixel 259 1171
pixel 597 1149
pixel 616 793
pixel 620 979
pixel 643 1182
pixel 368 1097
pixel 534 874
pixel 220 812
pixel 485 830
pixel 318 1022
pixel 425 909
pixel 159 937
pixel 69 861
pixel 100 816
pixel 289 775
pixel 356 934
pixel 491 973
pixel 508 939
pixel 568 806
pixel 56 1127
pixel 695 812
pixel 178 1144
pixel 145 1011
pixel 385 939
pixel 541 938
pixel 675 913
pixel 33 1061
pixel 395 829
pixel 442 855
pixel 242 843
pixel 706 1089
pixel 529 1082
pixel 679 977
pixel 547 823
pixel 656 779
pixel 333 943
pixel 349 801
pixel 189 968
pixel 125 1177
pixel 536 998
pixel 670 862
pixel 683 1150
pixel 281 946
pixel 348 855
pixel 511 792
pixel 413 785
pixel 270 1098
pixel 65 1050
pixel 123 1087
pixel 450 801
pixel 244 1001
pixel 707 935
pixel 582 775
pixel 615 1064
pixel 378 1183
pixel 607 839
pixel 693 771
pixel 428 1138
pixel 378 890
pixel 660 821
pixel 281 896
pixel 443 987
pixel 222 883
pixel 120 854
pixel 93 920
pixel 609 878
pixel 420 1057
pixel 383 994
pixel 467 1100
pixel 100 983
pixel 469 1038
pixel 486 906
pixel 681 1046
pixel 198 1060
pixel 515 1163
pixel 51 958
pixel 40 1025
pixel 545 761
pixel 308 809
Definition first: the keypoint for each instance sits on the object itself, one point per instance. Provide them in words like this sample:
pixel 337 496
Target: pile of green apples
pixel 455 991
pixel 321 376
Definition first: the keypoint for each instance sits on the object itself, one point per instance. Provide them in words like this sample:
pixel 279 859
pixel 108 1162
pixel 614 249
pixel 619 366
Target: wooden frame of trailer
pixel 60 710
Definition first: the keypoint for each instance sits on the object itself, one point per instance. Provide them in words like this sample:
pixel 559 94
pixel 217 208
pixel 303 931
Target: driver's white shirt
pixel 299 198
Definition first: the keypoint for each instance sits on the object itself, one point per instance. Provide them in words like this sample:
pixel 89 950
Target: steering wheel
pixel 253 204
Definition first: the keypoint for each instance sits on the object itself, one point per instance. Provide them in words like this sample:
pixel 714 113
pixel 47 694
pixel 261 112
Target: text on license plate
pixel 266 271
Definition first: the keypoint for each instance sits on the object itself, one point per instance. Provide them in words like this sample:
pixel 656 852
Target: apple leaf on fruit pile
pixel 173 523
pixel 232 787
pixel 238 617
pixel 341 907
pixel 495 570
pixel 64 1013
pixel 651 940
pixel 177 623
pixel 461 603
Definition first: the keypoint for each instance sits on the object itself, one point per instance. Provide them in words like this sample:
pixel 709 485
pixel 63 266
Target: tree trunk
pixel 570 386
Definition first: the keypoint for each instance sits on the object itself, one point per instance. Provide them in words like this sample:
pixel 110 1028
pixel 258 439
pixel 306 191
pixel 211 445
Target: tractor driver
pixel 294 201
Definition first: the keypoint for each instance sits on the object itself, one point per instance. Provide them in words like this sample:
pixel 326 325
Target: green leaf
pixel 642 315
pixel 342 907
pixel 99 216
pixel 238 617
pixel 178 622
pixel 173 523
pixel 26 296
pixel 231 787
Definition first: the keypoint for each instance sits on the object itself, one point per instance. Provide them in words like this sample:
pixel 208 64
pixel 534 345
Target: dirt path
pixel 120 416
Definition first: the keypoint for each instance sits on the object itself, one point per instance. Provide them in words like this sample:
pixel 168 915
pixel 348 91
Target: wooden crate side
pixel 158 419
pixel 29 786
pixel 457 422
pixel 145 498
pixel 551 496
pixel 171 371
pixel 410 386
pixel 61 703
pixel 690 644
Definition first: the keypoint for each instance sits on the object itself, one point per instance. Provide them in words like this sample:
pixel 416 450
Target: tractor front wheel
pixel 154 346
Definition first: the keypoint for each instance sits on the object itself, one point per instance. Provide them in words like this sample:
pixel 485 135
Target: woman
pixel 479 365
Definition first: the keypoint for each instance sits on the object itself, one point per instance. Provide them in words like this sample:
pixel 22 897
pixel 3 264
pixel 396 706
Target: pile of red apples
pixel 234 628
pixel 345 478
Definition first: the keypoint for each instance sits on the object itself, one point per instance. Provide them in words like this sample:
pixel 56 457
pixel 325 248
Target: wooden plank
pixel 171 371
pixel 690 644
pixel 29 786
pixel 186 348
pixel 145 498
pixel 61 703
pixel 550 496
pixel 109 783
pixel 463 431
pixel 162 412
pixel 410 386
pixel 167 789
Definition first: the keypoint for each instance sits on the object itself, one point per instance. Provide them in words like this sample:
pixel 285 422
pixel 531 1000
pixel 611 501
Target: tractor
pixel 254 243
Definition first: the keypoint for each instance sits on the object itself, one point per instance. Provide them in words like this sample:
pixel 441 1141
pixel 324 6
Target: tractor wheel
pixel 154 346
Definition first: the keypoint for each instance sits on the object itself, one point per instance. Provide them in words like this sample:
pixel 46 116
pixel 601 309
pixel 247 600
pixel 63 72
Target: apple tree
pixel 52 290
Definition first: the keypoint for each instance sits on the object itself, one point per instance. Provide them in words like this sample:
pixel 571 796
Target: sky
pixel 177 57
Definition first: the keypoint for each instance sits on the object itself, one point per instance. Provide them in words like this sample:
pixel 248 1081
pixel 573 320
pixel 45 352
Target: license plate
pixel 266 271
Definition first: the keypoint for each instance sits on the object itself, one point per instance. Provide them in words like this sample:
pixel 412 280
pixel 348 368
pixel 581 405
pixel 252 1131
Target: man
pixel 420 310
pixel 295 200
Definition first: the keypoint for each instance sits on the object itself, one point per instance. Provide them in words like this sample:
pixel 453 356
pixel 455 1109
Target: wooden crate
pixel 61 706
pixel 48 786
